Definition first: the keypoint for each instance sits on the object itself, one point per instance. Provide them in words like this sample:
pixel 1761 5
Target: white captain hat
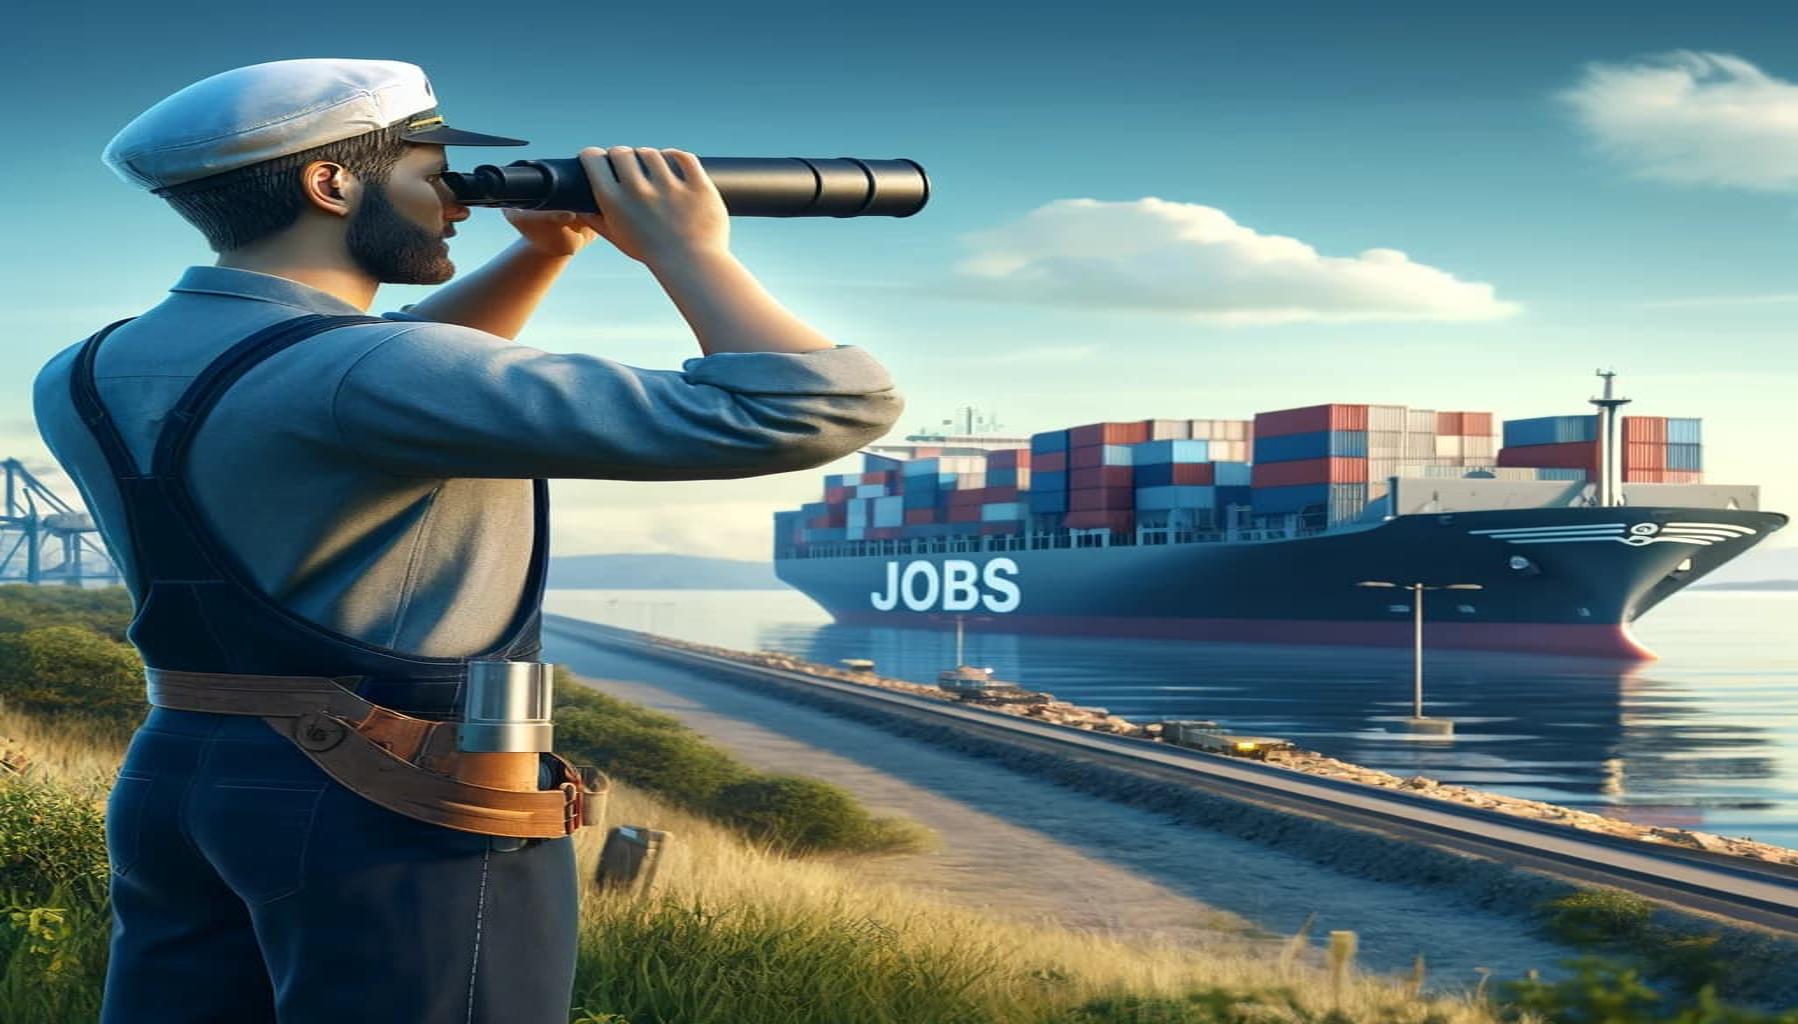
pixel 250 114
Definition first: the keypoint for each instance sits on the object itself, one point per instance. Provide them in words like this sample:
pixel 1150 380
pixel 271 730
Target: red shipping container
pixel 1476 424
pixel 971 496
pixel 834 494
pixel 1050 462
pixel 965 514
pixel 1115 499
pixel 1449 424
pixel 995 495
pixel 1194 473
pixel 1102 476
pixel 1568 455
pixel 1108 433
pixel 920 516
pixel 836 515
pixel 1644 476
pixel 1009 458
pixel 1117 522
pixel 1644 455
pixel 1309 471
pixel 1310 420
pixel 1645 429
pixel 883 477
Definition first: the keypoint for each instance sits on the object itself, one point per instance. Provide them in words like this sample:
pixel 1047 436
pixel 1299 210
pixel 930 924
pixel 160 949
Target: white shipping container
pixel 1480 446
pixel 1385 418
pixel 1382 443
pixel 1420 446
pixel 1420 421
pixel 1201 430
pixel 1170 430
pixel 1449 446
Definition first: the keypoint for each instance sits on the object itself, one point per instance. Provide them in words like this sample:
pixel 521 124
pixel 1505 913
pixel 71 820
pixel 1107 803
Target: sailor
pixel 325 517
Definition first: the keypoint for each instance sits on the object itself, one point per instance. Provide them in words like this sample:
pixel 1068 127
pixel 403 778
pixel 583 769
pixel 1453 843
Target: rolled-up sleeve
pixel 440 400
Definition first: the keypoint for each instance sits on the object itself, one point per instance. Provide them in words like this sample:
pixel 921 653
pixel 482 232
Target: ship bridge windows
pixel 1466 609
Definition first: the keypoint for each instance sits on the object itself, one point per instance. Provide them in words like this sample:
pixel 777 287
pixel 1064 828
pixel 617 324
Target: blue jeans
pixel 249 886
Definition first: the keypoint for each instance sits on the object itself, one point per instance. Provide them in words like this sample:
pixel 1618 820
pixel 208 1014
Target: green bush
pixel 656 752
pixel 50 839
pixel 1609 992
pixel 71 670
pixel 105 610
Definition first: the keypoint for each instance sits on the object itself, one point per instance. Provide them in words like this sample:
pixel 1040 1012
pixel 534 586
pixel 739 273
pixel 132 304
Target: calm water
pixel 1706 737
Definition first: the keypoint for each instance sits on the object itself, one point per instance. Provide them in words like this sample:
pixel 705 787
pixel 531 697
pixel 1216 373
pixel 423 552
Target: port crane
pixel 44 539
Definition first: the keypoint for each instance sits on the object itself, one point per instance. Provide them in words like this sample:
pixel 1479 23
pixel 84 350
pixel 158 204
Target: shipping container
pixel 881 463
pixel 1003 512
pixel 1235 497
pixel 1086 456
pixel 1310 420
pixel 1544 430
pixel 920 516
pixel 1107 433
pixel 1164 474
pixel 1644 455
pixel 1161 430
pixel 1048 482
pixel 1156 498
pixel 965 514
pixel 1479 446
pixel 1043 502
pixel 1684 476
pixel 1386 419
pixel 1420 421
pixel 1154 452
pixel 1049 462
pixel 1101 476
pixel 1318 445
pixel 1450 446
pixel 856 513
pixel 1008 458
pixel 1116 522
pixel 871 490
pixel 1686 458
pixel 1684 431
pixel 1569 455
pixel 1001 528
pixel 888 511
pixel 1645 429
pixel 1309 471
pixel 1082 499
pixel 1048 441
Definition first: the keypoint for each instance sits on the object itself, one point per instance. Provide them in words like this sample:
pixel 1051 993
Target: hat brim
pixel 444 135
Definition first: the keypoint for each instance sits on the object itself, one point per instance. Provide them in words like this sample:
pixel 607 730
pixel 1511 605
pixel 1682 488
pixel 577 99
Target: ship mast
pixel 1610 483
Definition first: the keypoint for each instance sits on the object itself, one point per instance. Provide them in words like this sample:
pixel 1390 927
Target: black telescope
pixel 751 186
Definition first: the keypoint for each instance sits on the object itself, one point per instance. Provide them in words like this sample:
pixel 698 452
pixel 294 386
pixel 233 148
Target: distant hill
pixel 660 572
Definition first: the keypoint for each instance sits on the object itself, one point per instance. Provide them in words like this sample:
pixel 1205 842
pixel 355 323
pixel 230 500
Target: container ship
pixel 1306 525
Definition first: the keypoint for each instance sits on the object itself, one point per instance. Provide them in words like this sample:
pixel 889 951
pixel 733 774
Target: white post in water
pixel 958 659
pixel 1417 650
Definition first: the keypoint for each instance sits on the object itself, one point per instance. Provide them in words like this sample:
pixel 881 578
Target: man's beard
pixel 392 249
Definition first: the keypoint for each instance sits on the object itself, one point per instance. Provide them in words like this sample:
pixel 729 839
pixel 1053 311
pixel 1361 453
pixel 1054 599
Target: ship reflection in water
pixel 1705 738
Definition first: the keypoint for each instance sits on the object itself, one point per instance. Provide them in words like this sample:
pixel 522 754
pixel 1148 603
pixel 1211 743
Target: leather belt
pixel 403 763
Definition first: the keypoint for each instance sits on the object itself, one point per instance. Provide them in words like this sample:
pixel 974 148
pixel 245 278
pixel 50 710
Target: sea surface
pixel 1704 738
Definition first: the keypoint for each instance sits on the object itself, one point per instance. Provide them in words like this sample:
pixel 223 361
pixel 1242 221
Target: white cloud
pixel 1194 261
pixel 1692 119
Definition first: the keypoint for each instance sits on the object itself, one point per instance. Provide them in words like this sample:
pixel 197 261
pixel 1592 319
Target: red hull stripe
pixel 1599 640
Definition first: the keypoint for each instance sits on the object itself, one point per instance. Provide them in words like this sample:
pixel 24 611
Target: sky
pixel 1137 211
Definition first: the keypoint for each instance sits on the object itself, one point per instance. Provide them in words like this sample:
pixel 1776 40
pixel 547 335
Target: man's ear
pixel 330 187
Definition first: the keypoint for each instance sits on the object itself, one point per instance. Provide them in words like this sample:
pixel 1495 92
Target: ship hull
pixel 1588 573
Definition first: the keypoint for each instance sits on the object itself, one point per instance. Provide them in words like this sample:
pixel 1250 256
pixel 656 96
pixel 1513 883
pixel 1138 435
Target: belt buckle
pixel 573 808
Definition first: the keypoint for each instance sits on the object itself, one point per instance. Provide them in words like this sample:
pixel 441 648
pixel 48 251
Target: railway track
pixel 1758 893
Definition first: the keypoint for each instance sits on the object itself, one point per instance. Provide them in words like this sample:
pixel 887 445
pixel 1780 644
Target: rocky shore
pixel 1045 707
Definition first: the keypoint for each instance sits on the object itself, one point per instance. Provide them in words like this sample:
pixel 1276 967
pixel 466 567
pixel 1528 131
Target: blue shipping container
pixel 1685 456
pixel 1004 512
pixel 1049 441
pixel 1684 432
pixel 1561 474
pixel 1348 444
pixel 1048 501
pixel 1550 430
pixel 1153 453
pixel 1048 482
pixel 1156 498
pixel 1232 474
pixel 1339 501
pixel 1235 495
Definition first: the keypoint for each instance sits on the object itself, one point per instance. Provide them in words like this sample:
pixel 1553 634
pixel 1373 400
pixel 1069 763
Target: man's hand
pixel 648 212
pixel 552 232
